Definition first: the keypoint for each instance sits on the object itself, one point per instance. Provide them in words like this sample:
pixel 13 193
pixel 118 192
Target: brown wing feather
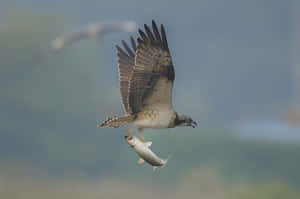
pixel 126 65
pixel 153 73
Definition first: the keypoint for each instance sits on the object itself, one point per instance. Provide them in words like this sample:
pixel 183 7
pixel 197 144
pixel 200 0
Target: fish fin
pixel 166 160
pixel 141 161
pixel 153 168
pixel 148 144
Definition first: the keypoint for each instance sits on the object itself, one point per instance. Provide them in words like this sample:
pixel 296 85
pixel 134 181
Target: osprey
pixel 146 75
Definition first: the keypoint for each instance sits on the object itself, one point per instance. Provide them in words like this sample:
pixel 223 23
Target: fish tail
pixel 164 163
pixel 117 121
pixel 166 160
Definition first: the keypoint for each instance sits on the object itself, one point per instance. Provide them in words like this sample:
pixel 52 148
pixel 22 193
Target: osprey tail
pixel 116 121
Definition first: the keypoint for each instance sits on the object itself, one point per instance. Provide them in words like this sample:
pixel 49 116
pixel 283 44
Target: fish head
pixel 131 140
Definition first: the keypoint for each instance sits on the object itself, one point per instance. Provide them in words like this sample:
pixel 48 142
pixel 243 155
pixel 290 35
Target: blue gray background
pixel 233 76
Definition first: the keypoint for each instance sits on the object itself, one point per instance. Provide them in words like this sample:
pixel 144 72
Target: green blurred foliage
pixel 195 183
pixel 269 190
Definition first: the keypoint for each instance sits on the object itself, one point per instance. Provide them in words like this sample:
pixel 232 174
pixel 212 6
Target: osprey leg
pixel 130 131
pixel 140 133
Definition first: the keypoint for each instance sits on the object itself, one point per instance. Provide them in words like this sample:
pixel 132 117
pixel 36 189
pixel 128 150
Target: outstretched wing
pixel 153 74
pixel 126 65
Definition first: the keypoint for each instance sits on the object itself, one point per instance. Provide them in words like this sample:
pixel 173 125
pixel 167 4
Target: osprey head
pixel 183 120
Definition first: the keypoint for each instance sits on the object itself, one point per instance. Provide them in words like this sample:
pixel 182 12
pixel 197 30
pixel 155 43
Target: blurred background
pixel 237 74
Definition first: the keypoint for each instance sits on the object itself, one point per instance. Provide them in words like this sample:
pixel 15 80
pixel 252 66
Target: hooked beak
pixel 193 124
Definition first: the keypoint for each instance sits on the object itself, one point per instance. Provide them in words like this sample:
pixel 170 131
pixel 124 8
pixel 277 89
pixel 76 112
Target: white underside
pixel 160 120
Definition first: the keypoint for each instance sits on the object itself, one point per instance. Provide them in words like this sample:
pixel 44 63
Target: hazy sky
pixel 231 60
pixel 231 55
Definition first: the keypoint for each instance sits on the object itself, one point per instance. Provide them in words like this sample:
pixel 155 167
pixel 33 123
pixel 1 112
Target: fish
pixel 145 153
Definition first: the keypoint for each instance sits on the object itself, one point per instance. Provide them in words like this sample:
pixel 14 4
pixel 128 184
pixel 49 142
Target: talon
pixel 140 130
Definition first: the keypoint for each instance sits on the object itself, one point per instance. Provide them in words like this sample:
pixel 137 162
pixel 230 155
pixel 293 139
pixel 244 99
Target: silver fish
pixel 142 149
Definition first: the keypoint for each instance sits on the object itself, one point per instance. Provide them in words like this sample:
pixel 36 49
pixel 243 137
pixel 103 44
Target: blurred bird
pixel 146 75
pixel 95 31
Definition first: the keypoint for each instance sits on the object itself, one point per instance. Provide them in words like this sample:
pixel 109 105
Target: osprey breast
pixel 155 118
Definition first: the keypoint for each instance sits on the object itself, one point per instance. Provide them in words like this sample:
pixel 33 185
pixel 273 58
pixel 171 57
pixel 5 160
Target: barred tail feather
pixel 116 121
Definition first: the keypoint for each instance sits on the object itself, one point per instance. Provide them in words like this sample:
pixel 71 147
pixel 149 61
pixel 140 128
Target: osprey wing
pixel 153 74
pixel 126 65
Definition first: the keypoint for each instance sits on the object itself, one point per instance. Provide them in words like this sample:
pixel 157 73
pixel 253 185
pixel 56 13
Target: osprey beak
pixel 194 124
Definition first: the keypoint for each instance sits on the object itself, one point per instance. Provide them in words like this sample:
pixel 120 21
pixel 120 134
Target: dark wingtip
pixel 118 47
pixel 139 40
pixel 143 35
pixel 133 43
pixel 121 52
pixel 149 33
pixel 164 37
pixel 156 31
pixel 129 51
pixel 123 42
pixel 153 23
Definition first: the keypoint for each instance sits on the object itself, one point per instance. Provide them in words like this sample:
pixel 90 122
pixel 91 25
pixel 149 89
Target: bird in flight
pixel 146 75
pixel 93 31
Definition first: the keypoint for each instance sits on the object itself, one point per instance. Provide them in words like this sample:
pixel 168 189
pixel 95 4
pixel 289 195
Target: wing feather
pixel 143 35
pixel 156 32
pixel 149 33
pixel 129 51
pixel 133 44
pixel 126 65
pixel 152 78
pixel 146 71
pixel 164 38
